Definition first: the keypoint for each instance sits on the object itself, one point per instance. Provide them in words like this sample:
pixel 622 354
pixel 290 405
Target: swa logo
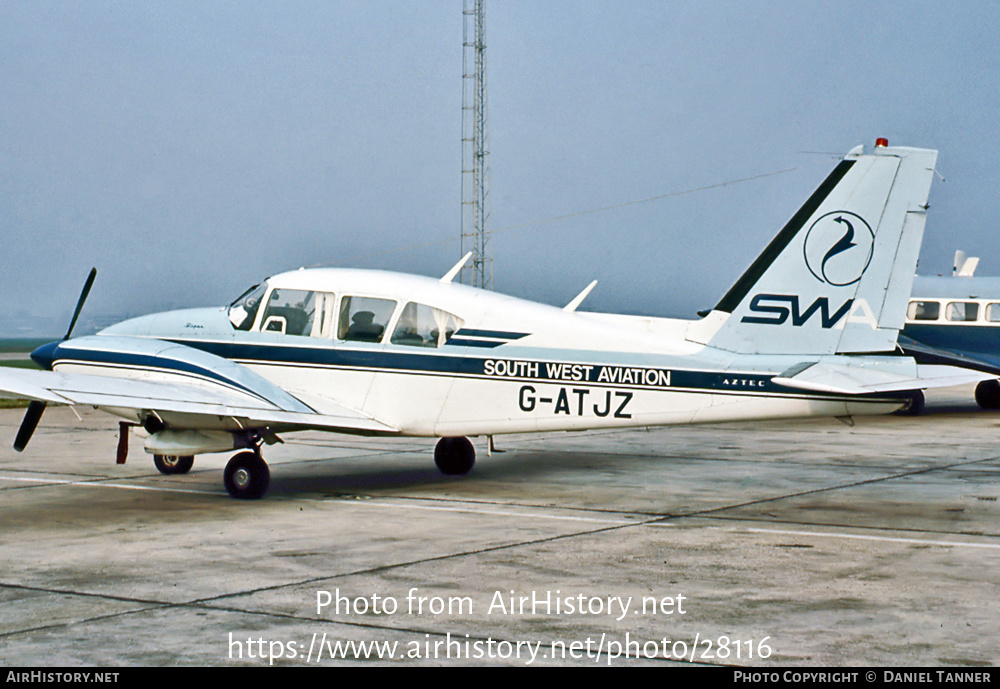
pixel 838 248
pixel 775 309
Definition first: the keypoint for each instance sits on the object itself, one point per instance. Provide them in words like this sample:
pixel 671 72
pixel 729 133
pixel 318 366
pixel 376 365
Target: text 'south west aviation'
pixel 810 329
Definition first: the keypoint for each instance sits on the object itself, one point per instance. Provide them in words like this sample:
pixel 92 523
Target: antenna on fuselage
pixel 578 299
pixel 450 275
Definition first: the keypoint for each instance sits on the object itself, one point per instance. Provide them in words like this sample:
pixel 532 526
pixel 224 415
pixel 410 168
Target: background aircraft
pixel 810 329
pixel 956 320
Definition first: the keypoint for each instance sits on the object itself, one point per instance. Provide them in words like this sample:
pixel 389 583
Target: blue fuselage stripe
pixel 68 354
pixel 484 344
pixel 632 377
pixel 596 374
pixel 497 334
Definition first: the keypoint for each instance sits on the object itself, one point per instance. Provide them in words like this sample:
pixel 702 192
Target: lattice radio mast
pixel 475 147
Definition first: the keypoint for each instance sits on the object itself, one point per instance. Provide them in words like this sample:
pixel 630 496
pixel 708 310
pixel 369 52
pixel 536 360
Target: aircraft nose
pixel 45 355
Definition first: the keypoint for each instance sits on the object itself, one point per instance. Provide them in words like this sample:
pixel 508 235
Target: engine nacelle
pixel 174 442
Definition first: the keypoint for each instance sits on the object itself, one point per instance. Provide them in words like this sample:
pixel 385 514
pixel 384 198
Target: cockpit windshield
pixel 243 311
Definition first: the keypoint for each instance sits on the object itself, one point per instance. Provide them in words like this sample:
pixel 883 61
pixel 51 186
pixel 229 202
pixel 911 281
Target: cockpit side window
pixel 364 319
pixel 424 326
pixel 299 312
pixel 243 311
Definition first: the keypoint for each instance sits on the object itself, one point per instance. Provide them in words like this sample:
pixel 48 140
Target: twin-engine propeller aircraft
pixel 956 321
pixel 809 330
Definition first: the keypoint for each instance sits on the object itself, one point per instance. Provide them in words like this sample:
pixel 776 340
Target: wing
pixel 190 388
pixel 925 354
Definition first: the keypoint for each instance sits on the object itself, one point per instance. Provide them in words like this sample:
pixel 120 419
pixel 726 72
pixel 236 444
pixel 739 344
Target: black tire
pixel 914 405
pixel 988 394
pixel 454 456
pixel 246 476
pixel 173 464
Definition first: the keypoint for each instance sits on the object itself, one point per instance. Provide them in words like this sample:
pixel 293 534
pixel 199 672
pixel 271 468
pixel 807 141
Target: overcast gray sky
pixel 189 149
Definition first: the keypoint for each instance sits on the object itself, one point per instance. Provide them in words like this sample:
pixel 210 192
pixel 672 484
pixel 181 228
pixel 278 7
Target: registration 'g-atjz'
pixel 808 330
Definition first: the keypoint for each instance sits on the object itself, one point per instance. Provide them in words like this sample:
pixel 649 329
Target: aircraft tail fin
pixel 836 279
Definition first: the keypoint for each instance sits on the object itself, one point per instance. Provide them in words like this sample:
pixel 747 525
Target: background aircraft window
pixel 962 311
pixel 363 319
pixel 993 313
pixel 243 310
pixel 298 312
pixel 424 326
pixel 923 311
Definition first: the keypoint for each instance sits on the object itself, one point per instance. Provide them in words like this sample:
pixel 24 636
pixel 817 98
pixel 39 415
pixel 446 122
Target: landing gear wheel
pixel 914 405
pixel 173 464
pixel 454 456
pixel 246 476
pixel 988 394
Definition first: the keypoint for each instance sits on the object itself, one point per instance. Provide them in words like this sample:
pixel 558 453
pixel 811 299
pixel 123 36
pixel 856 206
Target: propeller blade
pixel 31 418
pixel 83 298
pixel 35 409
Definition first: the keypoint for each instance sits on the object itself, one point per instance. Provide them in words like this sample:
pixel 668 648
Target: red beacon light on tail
pixel 881 143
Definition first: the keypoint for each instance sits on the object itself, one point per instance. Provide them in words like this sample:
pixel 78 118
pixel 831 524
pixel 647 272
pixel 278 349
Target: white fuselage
pixel 511 366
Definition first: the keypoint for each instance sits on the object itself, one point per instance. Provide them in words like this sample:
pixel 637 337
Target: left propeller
pixel 35 409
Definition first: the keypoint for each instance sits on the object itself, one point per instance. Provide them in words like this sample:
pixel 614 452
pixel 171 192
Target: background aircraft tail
pixel 837 278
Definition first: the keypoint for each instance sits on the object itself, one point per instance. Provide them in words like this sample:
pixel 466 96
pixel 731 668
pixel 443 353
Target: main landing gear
pixel 246 476
pixel 988 394
pixel 914 405
pixel 173 464
pixel 454 456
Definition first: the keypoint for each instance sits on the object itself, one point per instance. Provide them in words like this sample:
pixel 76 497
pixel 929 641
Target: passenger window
pixel 962 311
pixel 993 313
pixel 424 326
pixel 299 312
pixel 363 319
pixel 923 311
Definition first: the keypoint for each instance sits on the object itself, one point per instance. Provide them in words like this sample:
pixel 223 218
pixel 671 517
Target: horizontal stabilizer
pixel 866 379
